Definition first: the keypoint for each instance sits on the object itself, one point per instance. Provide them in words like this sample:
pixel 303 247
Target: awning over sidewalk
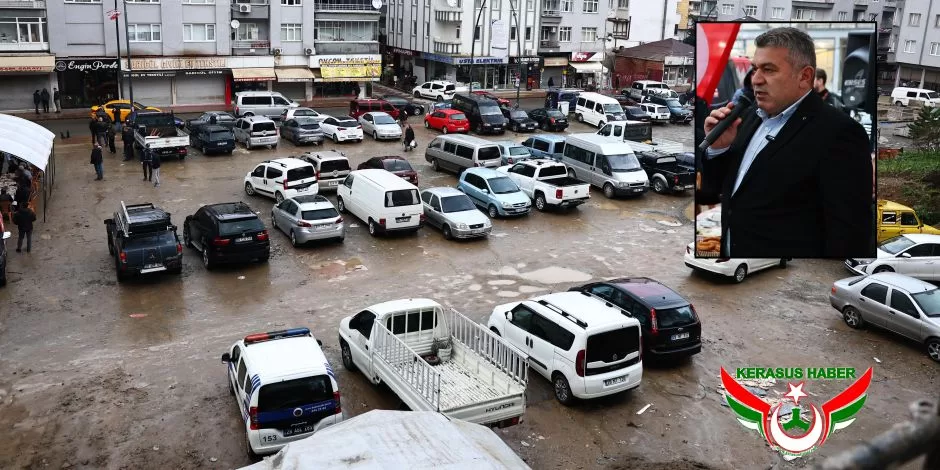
pixel 28 63
pixel 253 74
pixel 26 140
pixel 586 67
pixel 293 74
pixel 319 78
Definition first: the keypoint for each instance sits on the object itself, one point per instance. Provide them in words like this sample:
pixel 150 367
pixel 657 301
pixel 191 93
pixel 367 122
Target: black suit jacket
pixel 807 194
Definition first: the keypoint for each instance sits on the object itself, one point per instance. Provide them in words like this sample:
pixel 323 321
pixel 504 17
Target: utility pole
pixel 117 36
pixel 130 68
pixel 519 64
pixel 473 43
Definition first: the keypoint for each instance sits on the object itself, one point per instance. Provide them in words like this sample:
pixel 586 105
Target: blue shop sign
pixel 482 60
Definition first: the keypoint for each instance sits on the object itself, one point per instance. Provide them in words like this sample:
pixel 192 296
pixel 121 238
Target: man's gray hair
pixel 801 47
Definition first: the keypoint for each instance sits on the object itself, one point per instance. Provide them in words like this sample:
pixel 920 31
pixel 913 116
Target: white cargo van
pixel 384 201
pixel 597 109
pixel 605 163
pixel 902 96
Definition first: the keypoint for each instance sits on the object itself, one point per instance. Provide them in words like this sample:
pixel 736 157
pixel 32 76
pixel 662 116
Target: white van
pixel 597 109
pixel 459 152
pixel 641 88
pixel 902 96
pixel 605 163
pixel 382 199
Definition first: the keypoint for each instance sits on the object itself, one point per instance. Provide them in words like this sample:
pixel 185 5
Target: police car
pixel 284 386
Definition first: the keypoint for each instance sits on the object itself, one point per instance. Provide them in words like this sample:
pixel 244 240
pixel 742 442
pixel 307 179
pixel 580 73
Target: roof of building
pixel 658 50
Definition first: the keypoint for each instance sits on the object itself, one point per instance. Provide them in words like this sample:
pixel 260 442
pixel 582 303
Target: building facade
pixel 26 63
pixel 917 50
pixel 573 38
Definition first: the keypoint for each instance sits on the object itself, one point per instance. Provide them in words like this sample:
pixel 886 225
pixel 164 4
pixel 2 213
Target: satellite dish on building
pixel 377 4
pixel 235 24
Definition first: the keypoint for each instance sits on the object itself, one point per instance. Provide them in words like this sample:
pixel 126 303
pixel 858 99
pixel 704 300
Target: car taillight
pixel 336 398
pixel 301 223
pixel 653 324
pixel 318 175
pixel 179 248
pixel 253 416
pixel 580 363
pixel 558 194
pixel 382 222
pixel 423 217
pixel 219 241
pixel 722 260
pixel 236 111
pixel 510 160
pixel 263 235
pixel 123 257
pixel 358 127
pixel 285 184
pixel 339 220
pixel 183 151
pixel 833 290
pixel 551 120
pixel 675 179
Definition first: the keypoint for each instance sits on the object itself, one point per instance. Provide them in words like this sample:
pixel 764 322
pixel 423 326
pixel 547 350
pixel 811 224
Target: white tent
pixel 26 140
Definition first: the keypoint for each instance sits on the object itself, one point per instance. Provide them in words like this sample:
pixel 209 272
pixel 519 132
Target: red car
pixel 498 100
pixel 395 164
pixel 447 120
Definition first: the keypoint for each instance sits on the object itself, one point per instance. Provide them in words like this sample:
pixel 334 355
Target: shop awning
pixel 556 61
pixel 293 74
pixel 318 77
pixel 28 64
pixel 26 140
pixel 586 67
pixel 261 74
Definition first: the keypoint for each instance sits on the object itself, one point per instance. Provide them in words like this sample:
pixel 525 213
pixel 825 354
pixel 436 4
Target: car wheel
pixel 373 228
pixel 444 129
pixel 440 99
pixel 249 189
pixel 248 114
pixel 933 349
pixel 783 263
pixel 609 190
pixel 659 186
pixel 417 95
pixel 335 139
pixel 740 273
pixel 341 205
pixel 203 150
pixel 852 317
pixel 435 165
pixel 187 241
pixel 562 389
pixel 426 125
pixel 293 239
pixel 543 126
pixel 206 259
pixel 274 147
pixel 278 197
pixel 375 135
pixel 416 112
pixel 495 331
pixel 447 233
pixel 540 203
pixel 251 453
pixel 580 118
pixel 479 129
pixel 121 276
pixel 883 269
pixel 898 103
pixel 493 211
pixel 347 356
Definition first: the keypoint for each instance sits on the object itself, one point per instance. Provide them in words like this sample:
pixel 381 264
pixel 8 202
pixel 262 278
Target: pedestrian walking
pixel 6 205
pixel 145 158
pixel 111 135
pixel 44 96
pixel 23 219
pixel 56 100
pixel 36 100
pixel 101 131
pixel 127 137
pixel 551 82
pixel 98 161
pixel 155 166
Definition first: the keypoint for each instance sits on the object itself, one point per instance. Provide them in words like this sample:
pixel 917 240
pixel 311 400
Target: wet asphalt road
pixel 94 374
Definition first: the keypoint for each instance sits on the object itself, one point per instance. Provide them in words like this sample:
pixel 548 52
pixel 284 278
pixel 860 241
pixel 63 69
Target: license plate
pixel 402 219
pixel 297 430
pixel 615 381
pixel 476 231
pixel 333 183
pixel 303 189
pixel 242 239
pixel 638 190
pixel 679 336
pixel 152 265
pixel 322 228
pixel 220 144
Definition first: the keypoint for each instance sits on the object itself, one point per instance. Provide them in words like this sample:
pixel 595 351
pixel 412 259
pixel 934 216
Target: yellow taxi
pixel 895 219
pixel 120 106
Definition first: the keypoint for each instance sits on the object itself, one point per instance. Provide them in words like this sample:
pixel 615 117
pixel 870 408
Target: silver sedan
pixel 307 218
pixel 380 125
pixel 454 213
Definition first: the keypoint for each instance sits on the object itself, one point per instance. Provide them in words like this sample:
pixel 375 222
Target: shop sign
pixel 179 63
pixel 203 72
pixel 437 58
pixel 86 65
pixel 351 67
pixel 586 57
pixel 525 60
pixel 150 74
pixel 403 52
pixel 556 62
pixel 677 60
pixel 481 60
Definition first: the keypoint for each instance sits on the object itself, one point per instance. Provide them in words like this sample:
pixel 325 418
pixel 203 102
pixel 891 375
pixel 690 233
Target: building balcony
pixel 861 2
pixel 448 16
pixel 344 47
pixel 447 46
pixel 551 17
pixel 23 5
pixel 24 46
pixel 549 44
pixel 250 9
pixel 251 47
pixel 818 4
pixel 345 6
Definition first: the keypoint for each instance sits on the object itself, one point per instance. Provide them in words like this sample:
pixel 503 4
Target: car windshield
pixel 262 126
pixel 553 171
pixel 346 123
pixel 334 165
pixel 220 135
pixel 239 226
pixel 623 162
pixel 502 185
pixel 929 302
pixel 317 214
pixel 602 347
pixel 933 95
pixel 613 108
pixel 301 172
pixel 395 164
pixel 295 393
pixel 519 151
pixel 384 119
pixel 151 239
pixel 304 112
pixel 458 117
pixel 673 103
pixel 896 245
pixel 401 197
pixel 308 123
pixel 673 317
pixel 555 113
pixel 518 114
pixel 488 153
pixel 490 111
pixel 459 203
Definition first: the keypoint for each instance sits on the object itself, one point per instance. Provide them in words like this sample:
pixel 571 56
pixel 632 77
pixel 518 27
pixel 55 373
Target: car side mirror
pixel 226 358
pixel 320 343
pixel 485 191
pixel 904 255
pixel 509 315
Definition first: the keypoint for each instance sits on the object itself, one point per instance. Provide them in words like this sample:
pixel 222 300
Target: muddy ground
pixel 94 374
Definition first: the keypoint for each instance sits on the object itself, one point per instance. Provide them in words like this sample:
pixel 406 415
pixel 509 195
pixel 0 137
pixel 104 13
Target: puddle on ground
pixel 338 268
pixel 507 293
pixel 474 287
pixel 555 275
pixel 530 289
pixel 502 282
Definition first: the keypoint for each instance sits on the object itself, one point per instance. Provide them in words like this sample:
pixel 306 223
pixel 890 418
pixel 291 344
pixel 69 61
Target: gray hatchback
pixel 904 305
pixel 454 213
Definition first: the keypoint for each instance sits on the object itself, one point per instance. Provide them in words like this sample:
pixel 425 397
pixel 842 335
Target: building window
pixel 590 6
pixel 414 27
pixel 860 16
pixel 144 32
pixel 291 32
pixel 936 22
pixel 914 19
pixel 588 34
pixel 935 48
pixel 843 15
pixel 82 1
pixel 801 14
pixel 623 4
pixel 496 4
pixel 872 16
pixel 545 33
pixel 23 30
pixel 512 33
pixel 776 13
pixel 750 10
pixel 401 25
pixel 292 3
pixel 198 32
pixel 564 34
pixel 909 46
pixel 248 32
pixel 727 9
pixel 566 5
pixel 457 36
pixel 530 5
pixel 476 33
pixel 528 33
pixel 427 29
pixel 143 1
pixel 204 2
pixel 622 29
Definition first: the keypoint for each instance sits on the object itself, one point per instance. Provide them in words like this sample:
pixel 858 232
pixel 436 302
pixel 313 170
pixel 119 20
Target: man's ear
pixel 808 75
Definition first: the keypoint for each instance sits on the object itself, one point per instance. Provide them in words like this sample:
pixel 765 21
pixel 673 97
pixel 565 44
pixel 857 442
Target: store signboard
pixel 678 60
pixel 178 63
pixel 351 67
pixel 86 65
pixel 151 74
pixel 586 57
pixel 404 52
pixel 203 72
pixel 481 60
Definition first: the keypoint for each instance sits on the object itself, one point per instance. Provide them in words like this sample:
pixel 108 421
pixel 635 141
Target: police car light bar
pixel 293 332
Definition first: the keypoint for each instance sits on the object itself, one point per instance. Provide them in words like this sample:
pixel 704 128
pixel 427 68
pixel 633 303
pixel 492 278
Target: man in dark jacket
pixel 819 85
pixel 146 156
pixel 98 162
pixel 111 133
pixel 22 195
pixel 23 219
pixel 36 100
pixel 100 128
pixel 127 137
pixel 57 100
pixel 44 96
pixel 409 135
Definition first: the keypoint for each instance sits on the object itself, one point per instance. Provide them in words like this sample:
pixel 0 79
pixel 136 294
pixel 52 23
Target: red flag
pixel 713 46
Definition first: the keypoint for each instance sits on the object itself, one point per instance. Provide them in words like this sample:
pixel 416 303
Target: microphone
pixel 742 104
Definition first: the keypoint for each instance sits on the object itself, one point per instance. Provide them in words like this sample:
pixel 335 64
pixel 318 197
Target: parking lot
pixel 96 374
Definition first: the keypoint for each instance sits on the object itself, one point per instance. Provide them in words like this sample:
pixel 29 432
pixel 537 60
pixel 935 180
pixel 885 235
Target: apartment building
pixel 573 38
pixel 185 51
pixel 439 39
pixel 917 50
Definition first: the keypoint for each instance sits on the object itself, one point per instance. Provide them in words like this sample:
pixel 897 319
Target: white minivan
pixel 597 109
pixel 383 200
pixel 606 164
pixel 902 96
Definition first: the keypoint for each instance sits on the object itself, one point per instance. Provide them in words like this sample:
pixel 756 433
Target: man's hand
pixel 716 116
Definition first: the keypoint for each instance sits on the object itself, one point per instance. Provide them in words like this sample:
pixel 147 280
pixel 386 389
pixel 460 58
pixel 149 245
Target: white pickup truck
pixel 547 183
pixel 159 130
pixel 438 362
pixel 640 137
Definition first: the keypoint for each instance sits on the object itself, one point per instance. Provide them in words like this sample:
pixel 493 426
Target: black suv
pixel 671 327
pixel 483 113
pixel 213 138
pixel 143 240
pixel 228 232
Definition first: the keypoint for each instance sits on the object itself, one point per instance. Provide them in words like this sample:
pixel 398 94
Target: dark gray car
pixel 302 130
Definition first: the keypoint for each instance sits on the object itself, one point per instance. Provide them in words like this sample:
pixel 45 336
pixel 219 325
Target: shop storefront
pixel 174 81
pixel 585 69
pixel 342 75
pixel 555 70
pixel 487 72
pixel 86 81
pixel 529 72
pixel 295 83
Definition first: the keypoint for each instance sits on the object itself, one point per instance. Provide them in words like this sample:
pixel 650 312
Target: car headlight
pixel 462 226
pixel 486 124
pixel 507 205
pixel 623 184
